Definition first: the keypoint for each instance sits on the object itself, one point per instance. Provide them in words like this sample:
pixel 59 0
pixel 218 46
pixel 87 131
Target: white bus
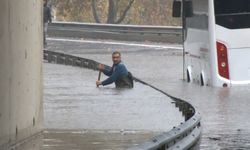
pixel 216 41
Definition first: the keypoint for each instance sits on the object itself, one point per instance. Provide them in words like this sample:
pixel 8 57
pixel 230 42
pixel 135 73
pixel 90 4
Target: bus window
pixel 232 14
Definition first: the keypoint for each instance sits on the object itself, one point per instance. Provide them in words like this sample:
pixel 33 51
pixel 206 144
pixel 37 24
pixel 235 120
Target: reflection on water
pixel 229 119
pixel 83 140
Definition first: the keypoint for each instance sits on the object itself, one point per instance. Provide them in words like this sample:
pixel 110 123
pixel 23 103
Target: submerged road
pixel 72 101
pixel 225 111
pixel 80 116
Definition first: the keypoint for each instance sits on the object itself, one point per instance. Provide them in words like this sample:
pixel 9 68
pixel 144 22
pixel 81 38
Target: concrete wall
pixel 20 70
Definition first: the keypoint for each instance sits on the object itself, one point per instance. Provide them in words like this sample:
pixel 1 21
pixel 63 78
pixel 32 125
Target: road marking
pixel 176 47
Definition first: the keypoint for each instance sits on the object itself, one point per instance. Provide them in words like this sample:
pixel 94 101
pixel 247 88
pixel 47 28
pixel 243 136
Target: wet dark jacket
pixel 120 75
pixel 46 14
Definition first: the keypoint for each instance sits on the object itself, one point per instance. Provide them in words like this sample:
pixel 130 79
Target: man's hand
pixel 101 67
pixel 98 83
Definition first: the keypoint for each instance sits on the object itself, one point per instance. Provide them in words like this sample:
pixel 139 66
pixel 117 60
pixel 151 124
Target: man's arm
pixel 113 77
pixel 107 71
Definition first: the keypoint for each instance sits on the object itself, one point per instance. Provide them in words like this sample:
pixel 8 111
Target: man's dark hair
pixel 45 2
pixel 116 52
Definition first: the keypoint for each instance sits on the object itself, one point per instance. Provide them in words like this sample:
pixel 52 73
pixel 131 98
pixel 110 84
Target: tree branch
pixel 111 12
pixel 94 11
pixel 125 12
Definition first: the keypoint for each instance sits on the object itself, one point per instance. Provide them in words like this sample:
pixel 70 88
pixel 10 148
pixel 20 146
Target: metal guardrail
pixel 61 58
pixel 142 29
pixel 114 31
pixel 181 137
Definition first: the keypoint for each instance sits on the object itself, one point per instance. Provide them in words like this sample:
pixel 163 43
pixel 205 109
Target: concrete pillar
pixel 20 70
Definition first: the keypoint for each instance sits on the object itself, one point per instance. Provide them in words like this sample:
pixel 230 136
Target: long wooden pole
pixel 183 39
pixel 99 76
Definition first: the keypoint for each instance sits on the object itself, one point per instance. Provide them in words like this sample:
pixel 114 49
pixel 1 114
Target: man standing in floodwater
pixel 118 73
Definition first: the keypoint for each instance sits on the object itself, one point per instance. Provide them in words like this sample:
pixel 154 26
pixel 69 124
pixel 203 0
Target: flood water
pixel 225 111
pixel 80 116
pixel 72 101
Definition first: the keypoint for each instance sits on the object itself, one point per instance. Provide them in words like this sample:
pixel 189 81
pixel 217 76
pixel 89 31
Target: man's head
pixel 116 57
pixel 45 2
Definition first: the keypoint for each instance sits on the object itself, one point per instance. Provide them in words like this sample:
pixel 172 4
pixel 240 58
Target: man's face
pixel 116 58
pixel 44 2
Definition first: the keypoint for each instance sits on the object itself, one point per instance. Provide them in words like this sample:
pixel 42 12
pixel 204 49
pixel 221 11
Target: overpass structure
pixel 20 70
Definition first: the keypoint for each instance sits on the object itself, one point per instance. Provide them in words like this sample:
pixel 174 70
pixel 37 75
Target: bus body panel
pixel 234 38
pixel 213 22
pixel 237 42
pixel 196 42
pixel 233 29
pixel 215 81
pixel 239 65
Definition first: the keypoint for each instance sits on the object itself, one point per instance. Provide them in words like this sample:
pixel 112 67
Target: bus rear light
pixel 223 64
pixel 222 60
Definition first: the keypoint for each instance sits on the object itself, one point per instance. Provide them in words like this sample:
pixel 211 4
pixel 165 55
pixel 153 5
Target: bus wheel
pixel 202 80
pixel 188 76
